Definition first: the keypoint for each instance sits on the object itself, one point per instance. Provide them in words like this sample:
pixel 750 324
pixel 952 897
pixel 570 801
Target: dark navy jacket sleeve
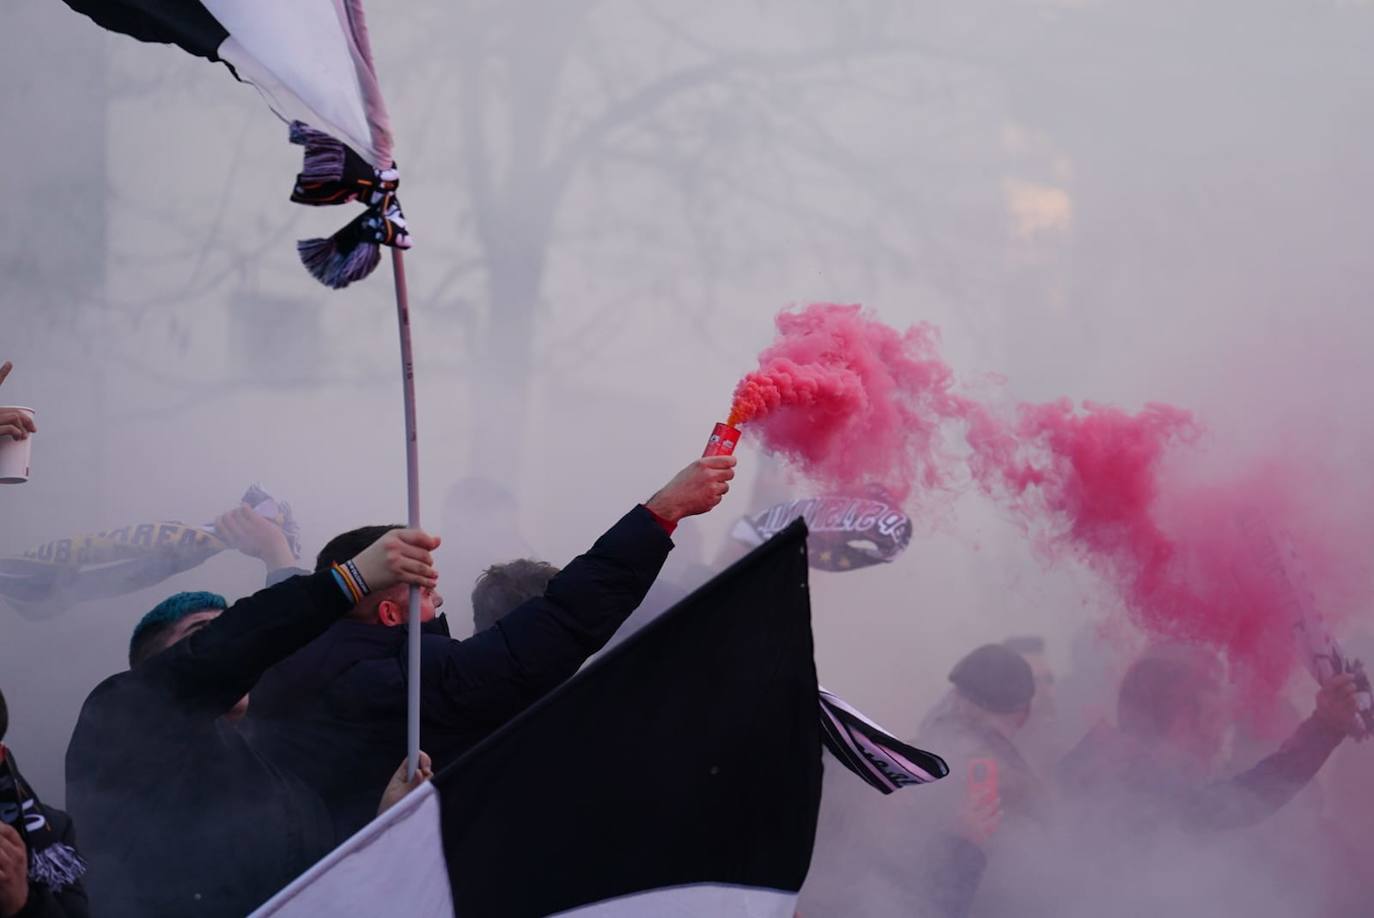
pixel 44 903
pixel 211 669
pixel 1256 794
pixel 954 871
pixel 201 677
pixel 275 577
pixel 495 674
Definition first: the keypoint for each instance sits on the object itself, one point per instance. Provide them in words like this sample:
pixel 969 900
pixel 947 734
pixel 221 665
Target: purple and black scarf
pixel 52 862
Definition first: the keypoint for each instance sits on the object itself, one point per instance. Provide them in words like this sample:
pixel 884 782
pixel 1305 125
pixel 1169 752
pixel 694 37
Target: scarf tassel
pixel 355 251
pixel 324 156
pixel 56 866
pixel 342 258
pixel 332 173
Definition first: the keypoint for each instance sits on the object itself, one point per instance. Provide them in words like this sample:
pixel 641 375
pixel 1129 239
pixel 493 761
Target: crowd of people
pixel 278 718
pixel 1109 828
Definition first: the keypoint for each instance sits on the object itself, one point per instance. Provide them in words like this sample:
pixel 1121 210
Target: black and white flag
pixel 679 775
pixel 309 58
pixel 312 62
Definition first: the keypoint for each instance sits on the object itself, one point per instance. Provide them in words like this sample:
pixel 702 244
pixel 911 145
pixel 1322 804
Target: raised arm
pixel 213 668
pixel 14 422
pixel 1256 794
pixel 206 673
pixel 495 674
pixel 252 534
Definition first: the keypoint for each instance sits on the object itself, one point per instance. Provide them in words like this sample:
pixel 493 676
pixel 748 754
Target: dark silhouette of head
pixel 996 680
pixel 503 587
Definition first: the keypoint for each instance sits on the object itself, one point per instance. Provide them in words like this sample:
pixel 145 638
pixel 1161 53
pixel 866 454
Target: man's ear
pixel 390 614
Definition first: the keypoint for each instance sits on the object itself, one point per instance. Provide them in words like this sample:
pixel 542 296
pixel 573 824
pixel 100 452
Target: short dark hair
pixel 1025 643
pixel 1157 689
pixel 350 544
pixel 503 587
pixel 4 717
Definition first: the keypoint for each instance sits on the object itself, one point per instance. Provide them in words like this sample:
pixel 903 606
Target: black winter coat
pixel 179 815
pixel 1116 777
pixel 335 712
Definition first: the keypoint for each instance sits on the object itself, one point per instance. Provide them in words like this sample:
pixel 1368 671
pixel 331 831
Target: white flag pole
pixel 412 512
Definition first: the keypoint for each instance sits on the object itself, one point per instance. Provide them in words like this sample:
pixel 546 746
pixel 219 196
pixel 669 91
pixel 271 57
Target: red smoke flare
pixel 852 401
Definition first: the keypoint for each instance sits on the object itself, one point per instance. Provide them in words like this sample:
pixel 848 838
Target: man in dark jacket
pixel 334 713
pixel 180 815
pixel 1148 825
pixel 40 869
pixel 1154 770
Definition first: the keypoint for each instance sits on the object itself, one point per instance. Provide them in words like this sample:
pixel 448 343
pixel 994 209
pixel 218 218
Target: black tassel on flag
pixel 332 173
pixel 355 251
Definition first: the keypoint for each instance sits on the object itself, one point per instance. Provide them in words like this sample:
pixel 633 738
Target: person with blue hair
pixel 170 620
pixel 180 814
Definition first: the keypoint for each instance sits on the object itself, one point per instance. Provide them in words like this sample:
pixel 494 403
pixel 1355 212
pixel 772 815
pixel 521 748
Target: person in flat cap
pixel 996 680
pixel 924 851
pixel 989 702
pixel 991 791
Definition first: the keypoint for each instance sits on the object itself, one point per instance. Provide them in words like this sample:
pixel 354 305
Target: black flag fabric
pixel 184 23
pixel 677 775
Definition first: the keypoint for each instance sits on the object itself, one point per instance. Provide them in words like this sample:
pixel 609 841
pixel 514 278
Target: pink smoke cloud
pixel 851 401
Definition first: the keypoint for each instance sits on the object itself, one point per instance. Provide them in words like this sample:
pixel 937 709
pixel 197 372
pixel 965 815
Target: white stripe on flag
pixel 302 57
pixel 393 866
pixel 694 902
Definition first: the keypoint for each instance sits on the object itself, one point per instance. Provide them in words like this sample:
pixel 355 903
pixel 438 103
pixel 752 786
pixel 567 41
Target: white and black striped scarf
pixel 871 752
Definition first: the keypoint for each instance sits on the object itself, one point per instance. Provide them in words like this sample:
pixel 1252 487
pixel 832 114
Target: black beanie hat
pixel 994 678
pixel 4 717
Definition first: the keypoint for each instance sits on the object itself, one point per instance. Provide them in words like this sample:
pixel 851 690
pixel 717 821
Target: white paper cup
pixel 14 454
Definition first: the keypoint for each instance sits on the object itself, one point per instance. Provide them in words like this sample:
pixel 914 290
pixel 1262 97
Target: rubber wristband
pixel 355 592
pixel 343 584
pixel 357 577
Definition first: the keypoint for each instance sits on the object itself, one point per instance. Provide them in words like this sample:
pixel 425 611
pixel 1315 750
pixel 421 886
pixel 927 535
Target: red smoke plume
pixel 851 401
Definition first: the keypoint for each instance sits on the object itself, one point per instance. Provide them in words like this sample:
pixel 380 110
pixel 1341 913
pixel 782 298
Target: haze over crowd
pixel 1095 199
